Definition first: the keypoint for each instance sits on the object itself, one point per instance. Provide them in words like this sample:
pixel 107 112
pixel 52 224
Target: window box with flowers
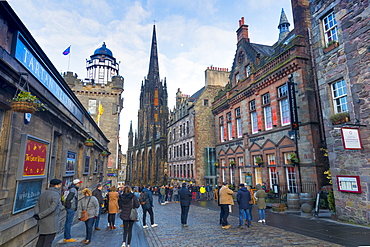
pixel 339 118
pixel 25 102
pixel 330 46
pixel 89 142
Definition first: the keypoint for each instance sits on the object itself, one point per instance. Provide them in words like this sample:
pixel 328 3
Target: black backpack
pixel 143 198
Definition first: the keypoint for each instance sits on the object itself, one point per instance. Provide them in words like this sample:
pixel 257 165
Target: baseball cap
pixel 55 181
pixel 77 181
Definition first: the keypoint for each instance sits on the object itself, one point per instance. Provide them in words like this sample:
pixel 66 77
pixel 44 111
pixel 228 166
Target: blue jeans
pixel 245 212
pixel 69 221
pixel 250 211
pixel 262 214
pixel 89 228
pixel 98 219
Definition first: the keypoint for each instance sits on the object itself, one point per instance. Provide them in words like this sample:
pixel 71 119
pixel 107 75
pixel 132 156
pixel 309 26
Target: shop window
pixel 291 180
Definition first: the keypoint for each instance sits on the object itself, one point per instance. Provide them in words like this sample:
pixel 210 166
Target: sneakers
pixel 260 221
pixel 185 225
pixel 241 227
pixel 123 244
pixel 85 241
pixel 145 227
pixel 69 240
pixel 154 225
pixel 97 228
pixel 264 221
pixel 226 227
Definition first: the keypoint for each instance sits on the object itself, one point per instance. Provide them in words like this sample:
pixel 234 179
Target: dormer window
pixel 247 71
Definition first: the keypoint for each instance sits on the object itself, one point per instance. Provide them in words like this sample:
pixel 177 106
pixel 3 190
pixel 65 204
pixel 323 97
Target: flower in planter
pixel 339 118
pixel 28 101
pixel 258 160
pixel 293 159
pixel 89 142
pixel 104 153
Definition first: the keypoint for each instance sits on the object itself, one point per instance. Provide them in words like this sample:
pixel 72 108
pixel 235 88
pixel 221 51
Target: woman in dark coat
pixel 127 201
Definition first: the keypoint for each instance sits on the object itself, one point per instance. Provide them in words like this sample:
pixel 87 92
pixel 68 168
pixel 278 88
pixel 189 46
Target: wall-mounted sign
pixel 26 195
pixel 25 54
pixel 349 183
pixel 351 138
pixel 71 163
pixel 34 154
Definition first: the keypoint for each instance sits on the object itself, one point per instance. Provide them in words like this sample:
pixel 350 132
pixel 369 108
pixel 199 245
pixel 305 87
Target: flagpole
pixel 99 113
pixel 69 58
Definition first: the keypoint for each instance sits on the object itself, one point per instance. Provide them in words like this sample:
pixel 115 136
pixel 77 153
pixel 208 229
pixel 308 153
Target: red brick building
pixel 255 119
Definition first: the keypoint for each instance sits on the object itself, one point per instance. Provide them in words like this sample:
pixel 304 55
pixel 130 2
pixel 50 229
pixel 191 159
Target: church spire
pixel 283 26
pixel 153 63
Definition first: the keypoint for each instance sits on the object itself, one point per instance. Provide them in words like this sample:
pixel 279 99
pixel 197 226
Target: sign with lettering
pixel 71 163
pixel 351 138
pixel 26 195
pixel 33 159
pixel 34 64
pixel 349 183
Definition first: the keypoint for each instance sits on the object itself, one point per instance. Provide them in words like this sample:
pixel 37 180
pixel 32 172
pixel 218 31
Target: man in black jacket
pixel 185 201
pixel 99 195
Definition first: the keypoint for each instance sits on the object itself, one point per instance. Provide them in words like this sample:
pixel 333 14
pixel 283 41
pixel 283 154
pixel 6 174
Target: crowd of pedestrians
pixel 124 201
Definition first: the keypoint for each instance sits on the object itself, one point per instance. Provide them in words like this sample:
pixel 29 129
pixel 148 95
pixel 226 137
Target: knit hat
pixel 55 181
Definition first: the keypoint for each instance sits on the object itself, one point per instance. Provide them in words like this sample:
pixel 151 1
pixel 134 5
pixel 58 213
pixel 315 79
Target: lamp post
pixel 294 122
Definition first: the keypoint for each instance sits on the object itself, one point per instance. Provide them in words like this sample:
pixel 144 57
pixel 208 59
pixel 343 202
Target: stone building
pixel 340 37
pixel 37 147
pixel 268 130
pixel 191 138
pixel 147 149
pixel 103 100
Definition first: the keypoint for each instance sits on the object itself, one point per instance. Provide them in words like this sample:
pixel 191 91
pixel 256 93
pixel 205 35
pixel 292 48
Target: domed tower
pixel 102 66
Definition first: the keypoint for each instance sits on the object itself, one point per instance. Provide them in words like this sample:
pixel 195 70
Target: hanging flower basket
pixel 26 102
pixel 23 106
pixel 89 142
pixel 104 153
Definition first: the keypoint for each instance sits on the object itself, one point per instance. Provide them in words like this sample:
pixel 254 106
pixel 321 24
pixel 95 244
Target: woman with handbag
pixel 88 212
pixel 128 203
pixel 113 208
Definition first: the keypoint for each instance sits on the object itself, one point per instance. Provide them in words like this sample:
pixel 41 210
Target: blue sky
pixel 191 35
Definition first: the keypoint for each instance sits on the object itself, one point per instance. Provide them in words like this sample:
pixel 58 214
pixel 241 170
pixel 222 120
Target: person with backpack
pixel 71 205
pixel 146 201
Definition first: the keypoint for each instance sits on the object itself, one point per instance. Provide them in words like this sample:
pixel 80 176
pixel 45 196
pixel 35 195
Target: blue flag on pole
pixel 67 51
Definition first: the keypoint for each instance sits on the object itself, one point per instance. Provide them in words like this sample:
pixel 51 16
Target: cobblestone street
pixel 203 230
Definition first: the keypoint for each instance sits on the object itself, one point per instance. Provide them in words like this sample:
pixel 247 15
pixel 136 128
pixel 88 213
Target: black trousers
pixel 45 240
pixel 150 211
pixel 111 219
pixel 127 231
pixel 184 214
pixel 225 213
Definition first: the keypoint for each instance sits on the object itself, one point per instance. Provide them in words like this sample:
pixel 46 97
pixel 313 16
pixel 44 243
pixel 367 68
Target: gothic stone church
pixel 147 149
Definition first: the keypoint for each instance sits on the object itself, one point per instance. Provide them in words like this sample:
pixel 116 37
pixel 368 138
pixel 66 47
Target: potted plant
pixel 215 164
pixel 331 202
pixel 89 142
pixel 293 159
pixel 259 160
pixel 104 153
pixel 26 102
pixel 339 118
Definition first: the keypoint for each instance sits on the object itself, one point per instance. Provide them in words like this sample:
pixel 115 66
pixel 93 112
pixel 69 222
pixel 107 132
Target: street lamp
pixel 294 133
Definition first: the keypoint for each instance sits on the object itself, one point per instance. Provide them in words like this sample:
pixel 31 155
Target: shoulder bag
pixel 84 215
pixel 133 214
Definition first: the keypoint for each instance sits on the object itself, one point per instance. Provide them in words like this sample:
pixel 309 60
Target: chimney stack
pixel 242 32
